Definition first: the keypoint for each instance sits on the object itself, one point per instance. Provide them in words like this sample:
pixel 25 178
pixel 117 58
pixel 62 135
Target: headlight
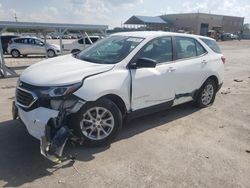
pixel 64 90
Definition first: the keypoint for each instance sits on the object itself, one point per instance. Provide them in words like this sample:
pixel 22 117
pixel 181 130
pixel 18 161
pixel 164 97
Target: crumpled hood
pixel 60 71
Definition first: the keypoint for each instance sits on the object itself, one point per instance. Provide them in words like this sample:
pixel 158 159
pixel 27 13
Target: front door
pixel 153 86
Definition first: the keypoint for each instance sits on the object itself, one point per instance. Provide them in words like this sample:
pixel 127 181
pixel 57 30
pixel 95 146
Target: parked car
pixel 5 40
pixel 31 45
pixel 123 76
pixel 78 45
pixel 227 36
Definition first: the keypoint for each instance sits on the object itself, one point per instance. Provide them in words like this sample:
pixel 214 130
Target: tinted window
pixel 212 44
pixel 18 40
pixel 94 39
pixel 185 47
pixel 159 49
pixel 22 40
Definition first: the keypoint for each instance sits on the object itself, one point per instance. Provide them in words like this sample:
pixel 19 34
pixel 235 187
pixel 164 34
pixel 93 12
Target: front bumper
pixel 36 120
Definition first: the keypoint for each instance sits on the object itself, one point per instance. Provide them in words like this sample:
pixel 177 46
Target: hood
pixel 63 70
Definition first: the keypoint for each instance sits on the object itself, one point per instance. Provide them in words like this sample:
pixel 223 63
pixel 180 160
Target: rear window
pixel 212 44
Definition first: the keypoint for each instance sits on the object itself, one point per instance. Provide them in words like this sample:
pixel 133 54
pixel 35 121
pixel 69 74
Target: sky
pixel 113 12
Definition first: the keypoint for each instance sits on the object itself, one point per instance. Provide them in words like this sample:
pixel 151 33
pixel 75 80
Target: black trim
pixel 150 110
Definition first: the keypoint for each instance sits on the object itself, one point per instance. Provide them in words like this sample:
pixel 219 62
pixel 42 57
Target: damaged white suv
pixel 124 75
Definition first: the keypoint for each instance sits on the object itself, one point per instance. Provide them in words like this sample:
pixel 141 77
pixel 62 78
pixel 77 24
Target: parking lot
pixel 181 147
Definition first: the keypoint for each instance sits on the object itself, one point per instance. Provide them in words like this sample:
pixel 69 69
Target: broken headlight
pixel 64 90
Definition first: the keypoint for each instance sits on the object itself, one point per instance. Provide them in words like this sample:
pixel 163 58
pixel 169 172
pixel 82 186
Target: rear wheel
pixel 206 94
pixel 51 53
pixel 15 53
pixel 98 123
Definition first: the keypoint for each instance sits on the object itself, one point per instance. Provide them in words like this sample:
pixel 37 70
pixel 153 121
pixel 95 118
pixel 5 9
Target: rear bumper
pixel 36 120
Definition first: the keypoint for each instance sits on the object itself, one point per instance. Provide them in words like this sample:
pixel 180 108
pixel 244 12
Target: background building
pixel 196 23
pixel 201 23
pixel 147 23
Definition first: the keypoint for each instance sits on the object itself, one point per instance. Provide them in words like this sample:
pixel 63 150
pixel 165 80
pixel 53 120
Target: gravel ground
pixel 180 147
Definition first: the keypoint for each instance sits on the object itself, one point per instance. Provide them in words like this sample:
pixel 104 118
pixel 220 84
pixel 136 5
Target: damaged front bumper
pixel 36 120
pixel 49 126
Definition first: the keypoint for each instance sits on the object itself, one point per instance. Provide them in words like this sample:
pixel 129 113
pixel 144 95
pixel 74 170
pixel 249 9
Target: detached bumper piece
pixel 55 139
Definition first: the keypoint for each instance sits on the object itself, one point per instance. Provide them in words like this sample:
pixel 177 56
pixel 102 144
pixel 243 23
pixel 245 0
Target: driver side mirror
pixel 143 63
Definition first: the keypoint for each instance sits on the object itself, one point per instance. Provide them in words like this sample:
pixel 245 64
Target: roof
pixel 151 34
pixel 201 13
pixel 145 20
pixel 51 26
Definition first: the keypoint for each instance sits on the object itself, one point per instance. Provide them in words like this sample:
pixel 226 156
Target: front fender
pixel 115 82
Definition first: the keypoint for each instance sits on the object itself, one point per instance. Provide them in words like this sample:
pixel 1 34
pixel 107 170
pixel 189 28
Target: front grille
pixel 25 98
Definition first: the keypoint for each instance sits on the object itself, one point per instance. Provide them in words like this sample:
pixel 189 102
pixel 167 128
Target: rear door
pixel 190 65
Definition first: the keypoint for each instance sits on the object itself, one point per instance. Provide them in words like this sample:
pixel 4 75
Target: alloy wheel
pixel 97 123
pixel 207 94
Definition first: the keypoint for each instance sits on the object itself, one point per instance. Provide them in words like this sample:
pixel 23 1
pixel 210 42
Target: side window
pixel 87 41
pixel 200 49
pixel 159 49
pixel 94 39
pixel 80 41
pixel 17 40
pixel 31 41
pixel 185 47
pixel 38 42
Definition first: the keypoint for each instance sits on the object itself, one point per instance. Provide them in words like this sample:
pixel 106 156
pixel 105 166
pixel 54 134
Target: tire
pixel 15 53
pixel 206 94
pixel 51 53
pixel 87 125
pixel 75 51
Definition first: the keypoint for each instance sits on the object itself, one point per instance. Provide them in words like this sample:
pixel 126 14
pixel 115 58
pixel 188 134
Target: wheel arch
pixel 118 101
pixel 75 50
pixel 212 77
pixel 215 79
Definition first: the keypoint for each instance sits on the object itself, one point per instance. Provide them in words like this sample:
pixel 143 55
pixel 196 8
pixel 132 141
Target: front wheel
pixel 51 53
pixel 98 123
pixel 206 94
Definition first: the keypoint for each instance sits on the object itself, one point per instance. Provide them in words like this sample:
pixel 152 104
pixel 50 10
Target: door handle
pixel 204 62
pixel 171 69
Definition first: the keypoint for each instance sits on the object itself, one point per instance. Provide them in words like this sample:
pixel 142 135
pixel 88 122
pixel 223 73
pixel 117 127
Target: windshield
pixel 110 50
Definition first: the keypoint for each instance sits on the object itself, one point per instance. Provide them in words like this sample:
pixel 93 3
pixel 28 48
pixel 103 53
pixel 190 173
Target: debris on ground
pixel 221 127
pixel 238 80
pixel 248 151
pixel 225 92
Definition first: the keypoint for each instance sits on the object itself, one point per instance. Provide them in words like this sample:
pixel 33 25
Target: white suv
pixel 79 45
pixel 122 76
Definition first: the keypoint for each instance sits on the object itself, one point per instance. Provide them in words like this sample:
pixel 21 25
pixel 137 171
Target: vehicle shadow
pixel 21 161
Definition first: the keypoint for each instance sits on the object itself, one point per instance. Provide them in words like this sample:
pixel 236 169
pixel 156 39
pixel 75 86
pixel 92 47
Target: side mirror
pixel 143 63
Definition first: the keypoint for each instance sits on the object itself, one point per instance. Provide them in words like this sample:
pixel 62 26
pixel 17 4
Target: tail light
pixel 223 59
